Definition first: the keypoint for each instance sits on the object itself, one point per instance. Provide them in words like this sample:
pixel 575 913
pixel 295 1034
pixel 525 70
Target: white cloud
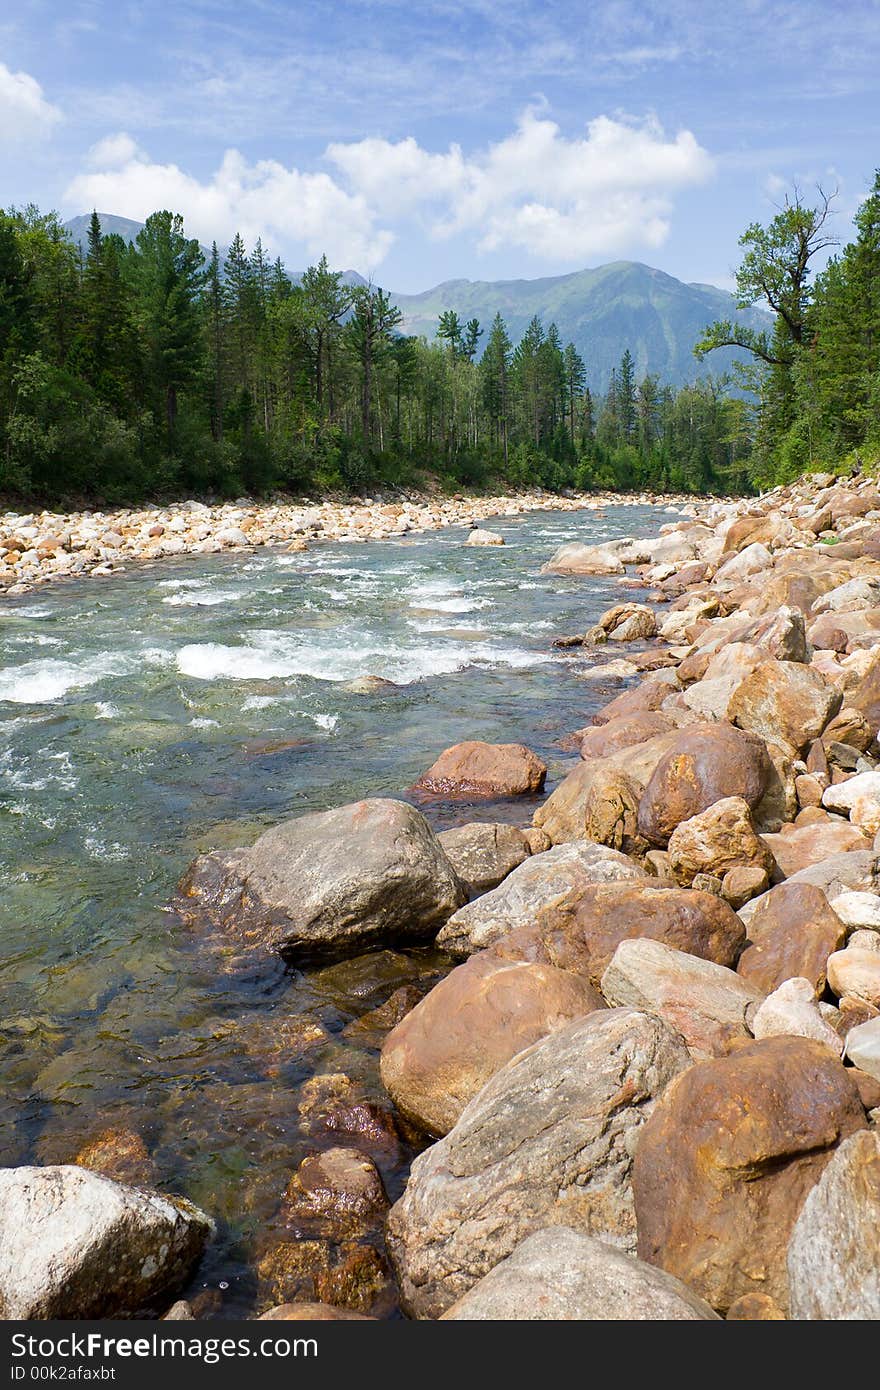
pixel 24 111
pixel 560 199
pixel 113 151
pixel 283 206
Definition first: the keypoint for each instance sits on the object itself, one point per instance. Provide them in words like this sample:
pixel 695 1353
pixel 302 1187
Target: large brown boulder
pixel 792 931
pixel 834 1252
pixel 866 696
pixel 643 698
pixel 559 1275
pixel 482 854
pixel 727 1158
pixel 706 1003
pixel 716 840
pixel 785 702
pixel 796 847
pixel 541 881
pixel 703 764
pixel 563 814
pixel 329 883
pixel 582 931
pixel 486 1011
pixel 485 769
pixel 547 1142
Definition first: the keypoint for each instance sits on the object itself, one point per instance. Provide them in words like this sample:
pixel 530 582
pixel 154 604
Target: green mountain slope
pixel 602 311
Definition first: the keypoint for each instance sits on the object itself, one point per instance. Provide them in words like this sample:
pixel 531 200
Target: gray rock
pixel 704 1002
pixel 330 883
pixel 483 854
pixel 548 1141
pixel 74 1244
pixel 834 1251
pixel 562 1276
pixel 536 883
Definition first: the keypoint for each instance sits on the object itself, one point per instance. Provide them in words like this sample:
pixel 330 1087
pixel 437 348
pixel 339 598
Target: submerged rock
pixel 485 769
pixel 330 883
pixel 75 1244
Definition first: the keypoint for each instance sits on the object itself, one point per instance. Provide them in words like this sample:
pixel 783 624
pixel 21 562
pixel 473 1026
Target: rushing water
pixel 187 705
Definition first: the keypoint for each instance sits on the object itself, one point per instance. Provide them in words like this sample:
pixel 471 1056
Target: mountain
pixel 602 311
pixel 78 227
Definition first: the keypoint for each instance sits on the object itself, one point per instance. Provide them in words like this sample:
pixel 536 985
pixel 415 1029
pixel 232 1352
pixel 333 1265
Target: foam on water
pixel 193 598
pixel 41 682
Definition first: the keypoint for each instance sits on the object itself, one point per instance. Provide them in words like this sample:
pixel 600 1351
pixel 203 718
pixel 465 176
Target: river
pixel 187 705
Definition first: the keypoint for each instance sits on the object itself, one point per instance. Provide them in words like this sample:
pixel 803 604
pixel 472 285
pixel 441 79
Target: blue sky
pixel 421 140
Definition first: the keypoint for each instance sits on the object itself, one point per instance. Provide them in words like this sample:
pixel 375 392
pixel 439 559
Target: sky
pixel 424 140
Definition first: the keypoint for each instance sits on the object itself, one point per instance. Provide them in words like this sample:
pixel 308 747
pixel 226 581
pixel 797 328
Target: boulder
pixel 75 1244
pixel 727 1158
pixel 866 696
pixel 582 931
pixel 561 1275
pixel 752 559
pixel 792 931
pixel 796 847
pixel 785 702
pixel 743 883
pixel 563 814
pixel 312 1312
pixel 791 1010
pixel 470 1024
pixel 704 1002
pixel 621 733
pixel 854 973
pixel 629 622
pixel 718 839
pixel 336 1191
pixel 479 536
pixel 703 764
pixel 646 697
pixel 855 870
pixel 859 798
pixel 863 1047
pixel 540 881
pixel 834 1251
pixel 482 854
pixel 485 769
pixel 575 558
pixel 330 883
pixel 547 1142
pixel 858 911
pixel 611 811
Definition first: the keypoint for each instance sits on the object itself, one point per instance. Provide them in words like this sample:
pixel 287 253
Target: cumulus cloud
pixel 561 199
pixel 555 197
pixel 24 110
pixel 283 206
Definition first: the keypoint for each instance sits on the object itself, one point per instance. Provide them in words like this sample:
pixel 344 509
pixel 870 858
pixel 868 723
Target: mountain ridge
pixel 603 311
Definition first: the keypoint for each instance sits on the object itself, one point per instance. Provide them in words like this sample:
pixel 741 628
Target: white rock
pixel 74 1244
pixel 834 1251
pixel 863 1046
pixel 792 1009
pixel 859 797
pixel 480 537
pixel 859 911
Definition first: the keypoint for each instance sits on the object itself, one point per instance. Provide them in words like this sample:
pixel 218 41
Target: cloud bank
pixel 25 114
pixel 563 200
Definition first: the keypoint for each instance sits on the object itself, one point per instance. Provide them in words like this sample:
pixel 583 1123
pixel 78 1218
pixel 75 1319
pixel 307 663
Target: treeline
pixel 816 373
pixel 149 369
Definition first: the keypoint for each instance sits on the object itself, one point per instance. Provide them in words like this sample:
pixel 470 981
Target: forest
pixel 152 369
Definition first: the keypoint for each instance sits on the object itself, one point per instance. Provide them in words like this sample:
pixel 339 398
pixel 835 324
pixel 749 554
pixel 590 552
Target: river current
pixel 188 705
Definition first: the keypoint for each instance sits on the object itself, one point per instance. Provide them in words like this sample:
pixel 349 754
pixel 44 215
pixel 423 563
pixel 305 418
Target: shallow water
pixel 188 705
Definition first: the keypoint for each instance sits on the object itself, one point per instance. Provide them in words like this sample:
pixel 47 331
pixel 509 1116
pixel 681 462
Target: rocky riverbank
pixel 36 548
pixel 651 1087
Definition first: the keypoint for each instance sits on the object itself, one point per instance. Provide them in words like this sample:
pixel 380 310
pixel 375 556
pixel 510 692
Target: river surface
pixel 187 705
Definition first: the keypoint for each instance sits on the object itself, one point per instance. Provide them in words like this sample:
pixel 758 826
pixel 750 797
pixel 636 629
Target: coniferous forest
pixel 151 369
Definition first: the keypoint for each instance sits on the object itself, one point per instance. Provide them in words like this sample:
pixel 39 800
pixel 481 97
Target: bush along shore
pixel 650 1086
pixel 38 547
